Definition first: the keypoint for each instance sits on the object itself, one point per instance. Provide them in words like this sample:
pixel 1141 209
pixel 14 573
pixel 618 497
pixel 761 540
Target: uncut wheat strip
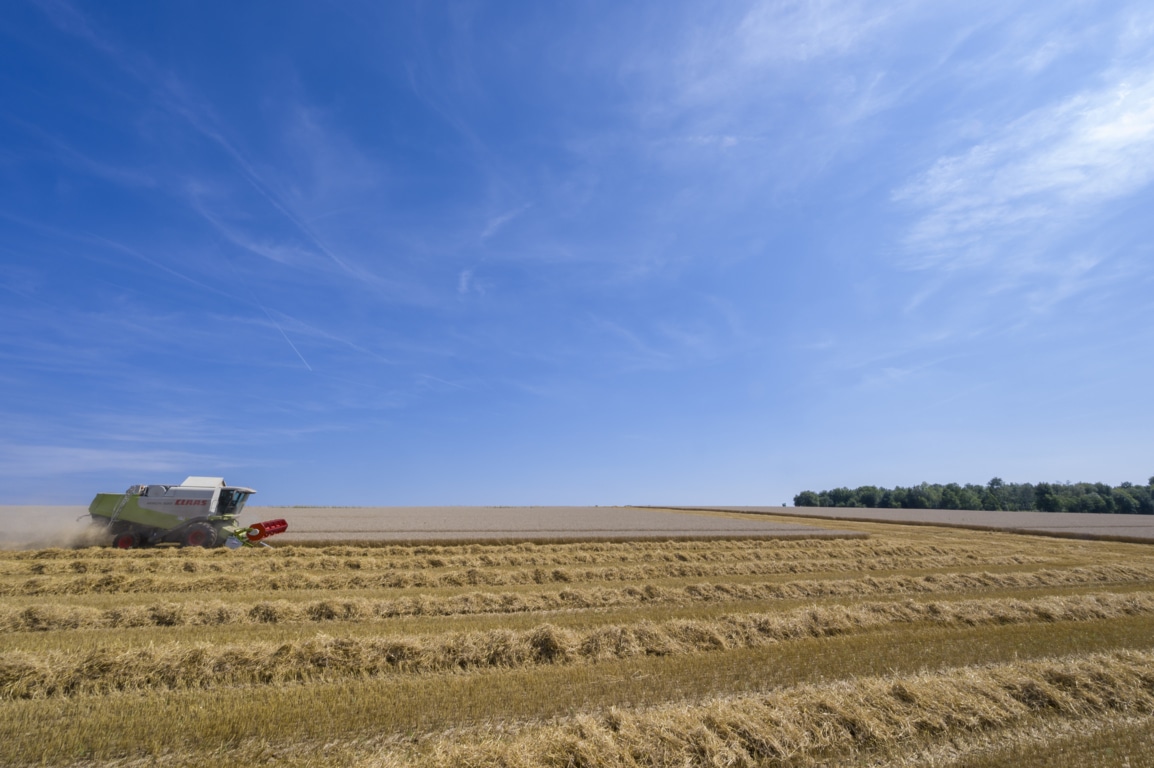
pixel 33 675
pixel 489 577
pixel 812 725
pixel 52 616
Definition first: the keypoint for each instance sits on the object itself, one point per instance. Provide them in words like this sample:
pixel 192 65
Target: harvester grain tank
pixel 200 512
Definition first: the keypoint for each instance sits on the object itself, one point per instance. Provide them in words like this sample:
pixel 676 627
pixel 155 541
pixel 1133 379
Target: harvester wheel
pixel 199 535
pixel 126 540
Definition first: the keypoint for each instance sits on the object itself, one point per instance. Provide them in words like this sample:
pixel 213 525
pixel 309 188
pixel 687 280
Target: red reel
pixel 258 531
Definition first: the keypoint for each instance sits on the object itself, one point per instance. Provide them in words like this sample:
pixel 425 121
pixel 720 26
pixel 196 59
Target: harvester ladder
pixel 116 512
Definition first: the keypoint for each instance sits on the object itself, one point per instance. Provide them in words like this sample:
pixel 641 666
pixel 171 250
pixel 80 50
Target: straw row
pixel 33 675
pixel 815 725
pixel 437 567
pixel 521 554
pixel 354 578
pixel 55 616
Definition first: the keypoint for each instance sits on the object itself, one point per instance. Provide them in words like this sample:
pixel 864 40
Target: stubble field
pixel 916 645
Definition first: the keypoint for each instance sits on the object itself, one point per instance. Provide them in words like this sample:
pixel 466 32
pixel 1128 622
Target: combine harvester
pixel 200 512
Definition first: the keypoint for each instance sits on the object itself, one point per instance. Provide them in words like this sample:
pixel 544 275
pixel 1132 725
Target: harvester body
pixel 201 511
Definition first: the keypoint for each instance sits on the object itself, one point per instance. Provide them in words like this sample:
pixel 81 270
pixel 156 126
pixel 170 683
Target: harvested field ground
pixel 1065 524
pixel 521 523
pixel 907 645
pixel 40 526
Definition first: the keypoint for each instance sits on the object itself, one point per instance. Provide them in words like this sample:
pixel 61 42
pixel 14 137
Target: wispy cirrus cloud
pixel 18 460
pixel 707 329
pixel 746 55
pixel 331 162
pixel 465 282
pixel 725 104
pixel 496 223
pixel 795 30
pixel 1035 179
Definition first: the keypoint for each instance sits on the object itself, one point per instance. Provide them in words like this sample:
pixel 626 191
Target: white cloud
pixel 1052 168
pixel 495 224
pixel 327 151
pixel 56 460
pixel 801 30
pixel 1047 53
pixel 635 352
pixel 732 54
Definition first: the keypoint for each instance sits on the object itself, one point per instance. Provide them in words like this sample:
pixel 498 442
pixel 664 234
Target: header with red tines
pixel 258 531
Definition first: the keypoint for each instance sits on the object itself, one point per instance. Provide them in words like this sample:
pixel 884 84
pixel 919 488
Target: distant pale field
pixel 58 525
pixel 45 525
pixel 479 523
pixel 1073 524
pixel 661 639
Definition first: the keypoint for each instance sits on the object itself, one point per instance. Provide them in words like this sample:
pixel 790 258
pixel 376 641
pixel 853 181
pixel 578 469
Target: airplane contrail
pixel 282 333
pixel 256 299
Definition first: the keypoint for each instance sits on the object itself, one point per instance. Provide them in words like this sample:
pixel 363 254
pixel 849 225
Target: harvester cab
pixel 200 512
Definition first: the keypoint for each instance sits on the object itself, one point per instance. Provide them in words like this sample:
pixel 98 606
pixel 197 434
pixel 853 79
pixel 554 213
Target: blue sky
pixel 573 253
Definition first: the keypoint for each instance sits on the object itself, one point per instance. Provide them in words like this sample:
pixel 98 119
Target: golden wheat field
pixel 914 646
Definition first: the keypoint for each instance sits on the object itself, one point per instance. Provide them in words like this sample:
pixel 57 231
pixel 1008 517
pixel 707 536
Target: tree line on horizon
pixel 996 495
